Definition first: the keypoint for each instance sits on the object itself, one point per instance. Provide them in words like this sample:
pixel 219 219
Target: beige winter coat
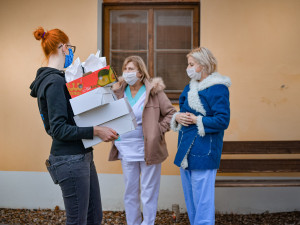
pixel 156 118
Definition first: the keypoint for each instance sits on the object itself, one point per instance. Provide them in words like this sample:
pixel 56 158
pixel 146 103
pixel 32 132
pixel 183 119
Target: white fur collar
pixel 195 87
pixel 213 79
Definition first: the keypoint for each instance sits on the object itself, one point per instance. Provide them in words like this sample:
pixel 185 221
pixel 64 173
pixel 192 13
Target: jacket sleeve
pixel 166 110
pixel 174 125
pixel 58 114
pixel 183 97
pixel 218 99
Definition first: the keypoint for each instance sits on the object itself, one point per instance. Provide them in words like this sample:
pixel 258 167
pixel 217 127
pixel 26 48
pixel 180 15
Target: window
pixel 162 34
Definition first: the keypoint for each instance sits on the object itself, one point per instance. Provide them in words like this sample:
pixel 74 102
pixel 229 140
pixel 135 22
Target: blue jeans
pixel 78 180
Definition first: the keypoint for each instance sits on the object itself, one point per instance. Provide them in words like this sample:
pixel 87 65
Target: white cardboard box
pixel 104 113
pixel 117 115
pixel 92 99
pixel 121 125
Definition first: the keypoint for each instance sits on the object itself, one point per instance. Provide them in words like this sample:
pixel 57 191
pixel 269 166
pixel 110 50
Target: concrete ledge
pixel 32 190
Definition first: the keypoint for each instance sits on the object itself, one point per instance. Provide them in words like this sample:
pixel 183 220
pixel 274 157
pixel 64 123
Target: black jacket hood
pixel 41 74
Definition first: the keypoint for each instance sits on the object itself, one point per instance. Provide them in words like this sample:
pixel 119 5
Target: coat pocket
pixel 161 134
pixel 186 139
pixel 202 146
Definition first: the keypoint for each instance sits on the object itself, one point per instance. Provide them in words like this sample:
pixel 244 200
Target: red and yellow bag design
pixel 90 81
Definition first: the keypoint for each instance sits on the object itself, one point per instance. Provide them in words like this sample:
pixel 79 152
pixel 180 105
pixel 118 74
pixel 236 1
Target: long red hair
pixel 50 40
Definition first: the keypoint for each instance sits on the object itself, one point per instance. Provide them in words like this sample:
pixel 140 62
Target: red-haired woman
pixel 70 164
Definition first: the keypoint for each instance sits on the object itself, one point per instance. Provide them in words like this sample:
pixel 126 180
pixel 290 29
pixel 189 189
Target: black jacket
pixel 49 87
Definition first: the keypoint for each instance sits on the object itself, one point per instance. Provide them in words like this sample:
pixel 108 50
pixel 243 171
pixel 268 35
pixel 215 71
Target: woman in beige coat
pixel 143 150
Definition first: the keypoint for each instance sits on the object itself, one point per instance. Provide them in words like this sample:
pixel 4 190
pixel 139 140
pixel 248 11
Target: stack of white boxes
pixel 100 107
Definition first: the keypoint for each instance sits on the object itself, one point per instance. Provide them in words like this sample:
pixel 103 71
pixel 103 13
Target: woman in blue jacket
pixel 204 115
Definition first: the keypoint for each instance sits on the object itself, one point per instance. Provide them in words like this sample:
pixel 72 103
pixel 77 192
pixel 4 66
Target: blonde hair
pixel 140 65
pixel 205 58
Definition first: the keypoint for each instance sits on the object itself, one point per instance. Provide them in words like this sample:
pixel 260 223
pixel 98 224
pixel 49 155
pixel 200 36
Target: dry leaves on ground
pixel 57 217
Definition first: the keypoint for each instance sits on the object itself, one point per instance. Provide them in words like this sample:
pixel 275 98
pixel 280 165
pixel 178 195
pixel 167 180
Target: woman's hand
pixel 105 133
pixel 192 117
pixel 116 86
pixel 184 119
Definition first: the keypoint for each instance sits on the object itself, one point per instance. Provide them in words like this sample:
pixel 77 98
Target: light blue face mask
pixel 69 58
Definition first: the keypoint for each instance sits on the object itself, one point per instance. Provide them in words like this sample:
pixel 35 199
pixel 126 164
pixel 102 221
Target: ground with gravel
pixel 56 216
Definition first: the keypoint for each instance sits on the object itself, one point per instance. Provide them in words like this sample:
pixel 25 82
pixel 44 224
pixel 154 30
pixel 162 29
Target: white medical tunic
pixel 131 144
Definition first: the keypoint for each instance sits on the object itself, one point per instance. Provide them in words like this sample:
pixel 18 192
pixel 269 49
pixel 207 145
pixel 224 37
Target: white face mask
pixel 193 74
pixel 130 78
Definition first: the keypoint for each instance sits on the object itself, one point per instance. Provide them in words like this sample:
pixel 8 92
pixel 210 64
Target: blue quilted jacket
pixel 200 145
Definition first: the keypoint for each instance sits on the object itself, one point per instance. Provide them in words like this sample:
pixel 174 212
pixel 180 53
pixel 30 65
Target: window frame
pixel 150 6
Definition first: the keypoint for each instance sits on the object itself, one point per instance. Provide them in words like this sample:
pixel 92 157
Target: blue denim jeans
pixel 78 180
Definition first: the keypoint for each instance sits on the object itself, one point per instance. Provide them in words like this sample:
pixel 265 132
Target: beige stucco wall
pixel 256 43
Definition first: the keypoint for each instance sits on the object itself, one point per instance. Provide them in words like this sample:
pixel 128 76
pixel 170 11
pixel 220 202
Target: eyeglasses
pixel 69 46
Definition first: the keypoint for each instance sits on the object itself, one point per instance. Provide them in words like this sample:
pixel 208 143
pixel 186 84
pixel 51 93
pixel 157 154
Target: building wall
pixel 256 43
